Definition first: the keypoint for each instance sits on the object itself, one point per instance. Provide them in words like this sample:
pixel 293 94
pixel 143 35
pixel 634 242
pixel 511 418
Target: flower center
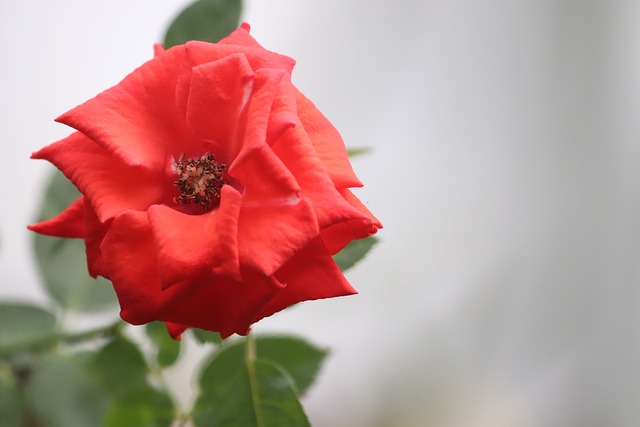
pixel 199 180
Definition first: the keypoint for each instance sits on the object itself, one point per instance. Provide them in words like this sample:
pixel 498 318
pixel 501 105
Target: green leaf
pixel 168 348
pixel 204 337
pixel 300 359
pixel 353 152
pixel 120 369
pixel 207 20
pixel 226 361
pixel 119 366
pixel 143 407
pixel 61 393
pixel 23 326
pixel 354 252
pixel 237 389
pixel 62 262
pixel 278 401
pixel 10 405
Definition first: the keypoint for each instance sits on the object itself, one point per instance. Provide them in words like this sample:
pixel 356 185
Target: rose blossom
pixel 213 192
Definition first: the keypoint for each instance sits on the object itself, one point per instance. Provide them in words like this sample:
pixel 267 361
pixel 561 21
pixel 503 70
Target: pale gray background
pixel 506 170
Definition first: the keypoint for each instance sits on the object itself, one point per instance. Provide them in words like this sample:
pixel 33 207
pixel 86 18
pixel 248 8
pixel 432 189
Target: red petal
pixel 192 246
pixel 241 37
pixel 274 221
pixel 356 203
pixel 130 257
pixel 297 152
pixel 158 49
pixel 311 274
pixel 341 216
pixel 110 186
pixel 68 223
pixel 257 116
pixel 283 113
pixel 176 330
pixel 138 119
pixel 341 234
pixel 92 241
pixel 300 158
pixel 214 303
pixel 198 53
pixel 327 142
pixel 337 236
pixel 270 235
pixel 217 93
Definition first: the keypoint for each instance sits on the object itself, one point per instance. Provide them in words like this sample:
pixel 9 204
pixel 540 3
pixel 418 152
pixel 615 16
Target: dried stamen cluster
pixel 199 181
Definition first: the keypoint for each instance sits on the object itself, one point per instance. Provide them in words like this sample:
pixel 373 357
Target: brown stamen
pixel 199 181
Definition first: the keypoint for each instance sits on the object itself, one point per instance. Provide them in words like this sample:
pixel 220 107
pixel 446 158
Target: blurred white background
pixel 505 168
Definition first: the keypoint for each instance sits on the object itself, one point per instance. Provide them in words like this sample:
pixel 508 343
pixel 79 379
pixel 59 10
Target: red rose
pixel 213 192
